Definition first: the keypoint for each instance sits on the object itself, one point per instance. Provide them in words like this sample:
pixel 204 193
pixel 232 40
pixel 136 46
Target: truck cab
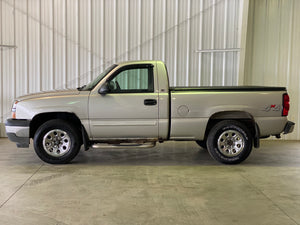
pixel 132 102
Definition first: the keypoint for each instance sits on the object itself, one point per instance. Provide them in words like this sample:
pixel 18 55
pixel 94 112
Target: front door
pixel 129 109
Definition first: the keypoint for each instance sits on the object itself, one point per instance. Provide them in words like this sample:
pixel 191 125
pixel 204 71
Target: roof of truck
pixel 139 62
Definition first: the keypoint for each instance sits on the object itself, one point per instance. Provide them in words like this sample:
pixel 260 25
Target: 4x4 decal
pixel 272 108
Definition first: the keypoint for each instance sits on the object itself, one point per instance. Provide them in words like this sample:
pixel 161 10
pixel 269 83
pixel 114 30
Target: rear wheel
pixel 56 142
pixel 229 142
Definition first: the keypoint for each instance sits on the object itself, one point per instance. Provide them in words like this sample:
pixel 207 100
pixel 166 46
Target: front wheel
pixel 56 142
pixel 229 142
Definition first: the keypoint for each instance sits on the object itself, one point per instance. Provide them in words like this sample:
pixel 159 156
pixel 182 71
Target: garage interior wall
pixel 53 44
pixel 273 50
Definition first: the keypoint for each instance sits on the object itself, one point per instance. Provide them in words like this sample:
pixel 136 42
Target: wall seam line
pixel 212 43
pixel 176 41
pixel 66 45
pixel 79 61
pixel 115 32
pixel 27 46
pixel 92 41
pixel 15 50
pixel 53 47
pixel 165 29
pixel 1 68
pixel 224 42
pixel 188 43
pixel 41 47
pixel 200 44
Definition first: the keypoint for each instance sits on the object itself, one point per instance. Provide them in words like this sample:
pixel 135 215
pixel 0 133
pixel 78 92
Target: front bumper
pixel 17 130
pixel 289 127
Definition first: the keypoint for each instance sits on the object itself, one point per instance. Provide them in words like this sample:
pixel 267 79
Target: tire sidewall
pixel 56 124
pixel 217 130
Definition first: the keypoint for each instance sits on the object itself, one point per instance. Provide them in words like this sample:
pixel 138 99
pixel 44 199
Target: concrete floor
pixel 173 183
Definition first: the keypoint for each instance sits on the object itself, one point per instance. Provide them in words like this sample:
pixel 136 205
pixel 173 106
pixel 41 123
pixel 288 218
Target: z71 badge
pixel 272 108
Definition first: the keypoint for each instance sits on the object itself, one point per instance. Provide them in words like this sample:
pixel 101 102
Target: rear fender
pixel 241 116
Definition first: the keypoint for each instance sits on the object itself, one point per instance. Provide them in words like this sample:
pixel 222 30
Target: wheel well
pixel 39 119
pixel 243 117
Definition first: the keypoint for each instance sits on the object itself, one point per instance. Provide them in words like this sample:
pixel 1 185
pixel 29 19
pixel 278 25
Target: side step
pixel 125 145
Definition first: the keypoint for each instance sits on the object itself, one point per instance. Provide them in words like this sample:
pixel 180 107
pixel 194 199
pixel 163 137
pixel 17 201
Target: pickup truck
pixel 131 105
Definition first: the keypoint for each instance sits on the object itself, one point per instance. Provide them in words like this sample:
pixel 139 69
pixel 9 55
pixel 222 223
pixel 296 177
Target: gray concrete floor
pixel 173 183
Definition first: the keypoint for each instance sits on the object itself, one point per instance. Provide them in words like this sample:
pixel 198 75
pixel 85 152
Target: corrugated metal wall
pixel 66 43
pixel 273 50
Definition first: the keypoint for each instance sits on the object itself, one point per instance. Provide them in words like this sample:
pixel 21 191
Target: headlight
pixel 14 109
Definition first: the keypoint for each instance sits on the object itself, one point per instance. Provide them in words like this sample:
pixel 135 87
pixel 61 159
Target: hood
pixel 54 93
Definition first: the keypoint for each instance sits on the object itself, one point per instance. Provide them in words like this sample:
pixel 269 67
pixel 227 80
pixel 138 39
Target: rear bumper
pixel 17 131
pixel 289 127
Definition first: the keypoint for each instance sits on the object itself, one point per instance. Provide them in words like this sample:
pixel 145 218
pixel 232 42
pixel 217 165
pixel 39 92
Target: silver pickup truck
pixel 131 105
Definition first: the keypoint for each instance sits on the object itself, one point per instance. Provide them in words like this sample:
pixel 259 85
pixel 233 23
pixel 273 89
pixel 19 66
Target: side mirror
pixel 104 89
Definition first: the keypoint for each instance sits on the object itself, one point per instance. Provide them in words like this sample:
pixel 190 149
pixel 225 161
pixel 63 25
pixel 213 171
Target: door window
pixel 133 80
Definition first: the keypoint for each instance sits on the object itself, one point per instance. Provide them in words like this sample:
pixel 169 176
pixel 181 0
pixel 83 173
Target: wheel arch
pixel 241 116
pixel 72 118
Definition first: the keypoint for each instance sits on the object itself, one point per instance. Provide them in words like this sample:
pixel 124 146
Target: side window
pixel 133 80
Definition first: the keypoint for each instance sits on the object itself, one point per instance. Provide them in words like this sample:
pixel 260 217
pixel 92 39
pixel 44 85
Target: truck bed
pixel 191 108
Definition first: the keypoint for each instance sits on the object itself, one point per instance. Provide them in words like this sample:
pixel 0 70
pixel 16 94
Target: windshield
pixel 93 83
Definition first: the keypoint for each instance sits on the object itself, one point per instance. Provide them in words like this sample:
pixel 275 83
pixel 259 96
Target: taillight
pixel 286 105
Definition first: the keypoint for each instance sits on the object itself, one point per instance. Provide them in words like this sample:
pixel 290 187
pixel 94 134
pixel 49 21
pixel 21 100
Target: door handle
pixel 150 102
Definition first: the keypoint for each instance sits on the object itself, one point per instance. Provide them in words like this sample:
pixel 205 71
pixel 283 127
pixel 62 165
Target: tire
pixel 57 142
pixel 229 142
pixel 202 144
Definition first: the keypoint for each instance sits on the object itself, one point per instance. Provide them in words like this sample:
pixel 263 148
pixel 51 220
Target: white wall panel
pixel 273 50
pixel 47 57
pixel 84 41
pixel 2 132
pixel 72 44
pixel 59 43
pixel 8 90
pixel 21 87
pixel 33 46
pixel 66 43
